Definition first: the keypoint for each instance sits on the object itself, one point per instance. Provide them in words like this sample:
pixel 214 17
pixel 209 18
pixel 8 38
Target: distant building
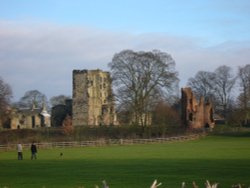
pixel 219 120
pixel 196 114
pixel 29 118
pixel 93 101
pixel 60 112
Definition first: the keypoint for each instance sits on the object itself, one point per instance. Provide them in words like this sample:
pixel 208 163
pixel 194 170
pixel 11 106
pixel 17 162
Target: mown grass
pixel 217 158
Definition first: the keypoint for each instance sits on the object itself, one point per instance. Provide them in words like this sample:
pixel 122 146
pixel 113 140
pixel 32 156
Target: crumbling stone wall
pixel 195 114
pixel 28 118
pixel 93 102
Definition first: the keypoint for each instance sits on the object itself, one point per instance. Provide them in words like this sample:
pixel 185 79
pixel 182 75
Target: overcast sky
pixel 42 41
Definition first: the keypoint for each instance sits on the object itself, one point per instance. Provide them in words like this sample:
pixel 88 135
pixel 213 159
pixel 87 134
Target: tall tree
pixel 216 86
pixel 244 77
pixel 5 94
pixel 141 79
pixel 202 84
pixel 244 97
pixel 33 97
pixel 223 84
pixel 5 97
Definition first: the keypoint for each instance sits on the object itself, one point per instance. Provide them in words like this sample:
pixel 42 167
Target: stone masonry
pixel 93 101
pixel 196 114
pixel 29 118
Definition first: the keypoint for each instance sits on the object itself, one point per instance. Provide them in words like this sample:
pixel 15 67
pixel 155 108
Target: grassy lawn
pixel 219 159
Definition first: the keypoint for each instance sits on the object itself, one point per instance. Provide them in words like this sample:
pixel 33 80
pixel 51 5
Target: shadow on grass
pixel 133 173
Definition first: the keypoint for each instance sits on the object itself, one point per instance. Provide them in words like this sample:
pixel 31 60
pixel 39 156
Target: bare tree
pixel 5 94
pixel 216 86
pixel 223 84
pixel 244 97
pixel 244 77
pixel 32 97
pixel 202 84
pixel 141 79
pixel 5 97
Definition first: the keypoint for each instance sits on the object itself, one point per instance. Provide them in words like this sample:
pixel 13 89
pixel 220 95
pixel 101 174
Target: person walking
pixel 19 151
pixel 33 151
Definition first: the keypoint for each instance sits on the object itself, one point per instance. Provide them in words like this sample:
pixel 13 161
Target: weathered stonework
pixel 29 118
pixel 93 102
pixel 196 114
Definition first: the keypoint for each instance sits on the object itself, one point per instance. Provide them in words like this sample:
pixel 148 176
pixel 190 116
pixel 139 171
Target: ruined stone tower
pixel 196 114
pixel 93 102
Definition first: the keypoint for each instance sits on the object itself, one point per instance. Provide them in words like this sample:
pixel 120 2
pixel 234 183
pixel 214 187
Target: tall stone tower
pixel 93 101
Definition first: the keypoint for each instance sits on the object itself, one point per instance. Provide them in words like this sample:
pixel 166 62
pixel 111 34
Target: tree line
pixel 229 92
pixel 146 90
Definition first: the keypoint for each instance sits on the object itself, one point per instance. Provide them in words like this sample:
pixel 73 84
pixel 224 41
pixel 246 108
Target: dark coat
pixel 33 148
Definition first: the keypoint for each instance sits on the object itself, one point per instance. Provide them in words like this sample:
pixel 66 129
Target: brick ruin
pixel 196 114
pixel 93 101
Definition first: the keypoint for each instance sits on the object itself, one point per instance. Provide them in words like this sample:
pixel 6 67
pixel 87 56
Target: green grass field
pixel 219 159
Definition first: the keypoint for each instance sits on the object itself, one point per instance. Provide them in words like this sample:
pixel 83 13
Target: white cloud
pixel 42 56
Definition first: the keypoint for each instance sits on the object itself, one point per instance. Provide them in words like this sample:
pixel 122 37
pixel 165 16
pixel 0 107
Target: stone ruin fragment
pixel 196 114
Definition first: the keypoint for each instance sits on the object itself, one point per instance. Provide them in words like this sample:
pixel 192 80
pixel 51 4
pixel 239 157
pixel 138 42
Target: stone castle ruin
pixel 93 101
pixel 28 118
pixel 196 114
pixel 93 104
